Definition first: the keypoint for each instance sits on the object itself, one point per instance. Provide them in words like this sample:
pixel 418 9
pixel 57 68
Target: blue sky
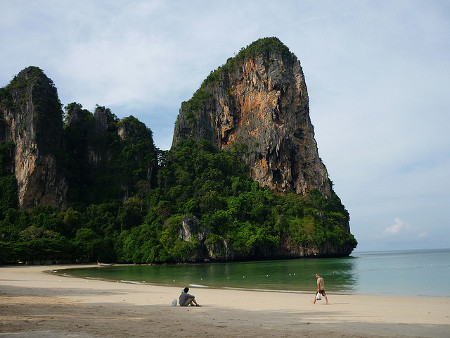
pixel 377 74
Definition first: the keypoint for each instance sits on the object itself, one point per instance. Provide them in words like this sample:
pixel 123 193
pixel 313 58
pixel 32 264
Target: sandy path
pixel 36 304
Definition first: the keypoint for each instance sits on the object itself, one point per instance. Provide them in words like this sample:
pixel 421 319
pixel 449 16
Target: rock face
pixel 107 156
pixel 32 120
pixel 92 158
pixel 259 99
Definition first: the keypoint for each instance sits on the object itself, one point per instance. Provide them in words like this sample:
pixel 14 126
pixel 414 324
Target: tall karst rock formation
pixel 89 159
pixel 259 99
pixel 31 119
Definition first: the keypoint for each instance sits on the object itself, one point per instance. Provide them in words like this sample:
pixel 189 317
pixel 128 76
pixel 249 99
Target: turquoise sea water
pixel 394 273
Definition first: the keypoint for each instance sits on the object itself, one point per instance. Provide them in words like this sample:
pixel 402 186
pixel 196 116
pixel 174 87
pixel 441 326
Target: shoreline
pixel 197 286
pixel 34 303
pixel 219 287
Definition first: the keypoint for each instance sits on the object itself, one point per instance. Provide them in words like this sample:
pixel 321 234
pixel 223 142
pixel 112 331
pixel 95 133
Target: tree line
pixel 194 179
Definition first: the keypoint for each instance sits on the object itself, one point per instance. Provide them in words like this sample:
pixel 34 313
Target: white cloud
pixel 399 226
pixel 376 73
pixel 402 230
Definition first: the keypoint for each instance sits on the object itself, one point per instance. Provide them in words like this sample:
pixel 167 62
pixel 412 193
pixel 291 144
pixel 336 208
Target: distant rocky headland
pixel 243 179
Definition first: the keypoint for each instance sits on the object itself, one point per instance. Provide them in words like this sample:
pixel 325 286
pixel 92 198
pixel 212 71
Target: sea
pixel 414 273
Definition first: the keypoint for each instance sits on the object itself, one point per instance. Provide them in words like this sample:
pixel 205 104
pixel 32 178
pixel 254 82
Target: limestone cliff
pixel 92 158
pixel 259 98
pixel 107 156
pixel 32 119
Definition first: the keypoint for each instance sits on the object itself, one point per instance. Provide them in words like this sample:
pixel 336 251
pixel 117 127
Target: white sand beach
pixel 38 304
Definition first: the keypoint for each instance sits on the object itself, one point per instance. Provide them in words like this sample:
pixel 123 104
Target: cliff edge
pixel 259 98
pixel 32 120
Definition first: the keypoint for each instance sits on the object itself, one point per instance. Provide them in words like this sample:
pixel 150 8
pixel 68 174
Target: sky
pixel 377 74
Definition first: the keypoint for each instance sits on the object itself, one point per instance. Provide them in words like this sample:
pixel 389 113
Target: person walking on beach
pixel 320 288
pixel 186 299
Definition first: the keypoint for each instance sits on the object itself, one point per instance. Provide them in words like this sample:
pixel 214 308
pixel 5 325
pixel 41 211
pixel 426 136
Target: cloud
pixel 399 226
pixel 404 229
pixel 376 73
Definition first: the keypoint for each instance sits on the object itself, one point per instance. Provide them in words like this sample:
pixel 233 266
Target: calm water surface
pixel 396 273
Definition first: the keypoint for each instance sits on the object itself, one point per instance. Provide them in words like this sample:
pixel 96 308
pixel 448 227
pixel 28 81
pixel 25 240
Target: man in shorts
pixel 186 299
pixel 320 288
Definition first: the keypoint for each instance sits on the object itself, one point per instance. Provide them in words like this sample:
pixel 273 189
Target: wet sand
pixel 38 304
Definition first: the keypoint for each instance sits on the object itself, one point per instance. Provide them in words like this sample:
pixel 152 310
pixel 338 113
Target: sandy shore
pixel 37 304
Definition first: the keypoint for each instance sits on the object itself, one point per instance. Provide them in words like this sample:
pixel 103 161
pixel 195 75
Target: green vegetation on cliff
pixel 129 202
pixel 32 85
pixel 8 182
pixel 192 107
pixel 196 180
pixel 105 157
pixel 260 47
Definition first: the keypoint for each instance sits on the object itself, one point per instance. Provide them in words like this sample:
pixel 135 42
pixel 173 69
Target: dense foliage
pixel 127 200
pixel 196 180
pixel 8 182
pixel 105 157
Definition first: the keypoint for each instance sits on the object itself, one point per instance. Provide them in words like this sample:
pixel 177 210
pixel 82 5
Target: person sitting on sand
pixel 320 288
pixel 186 299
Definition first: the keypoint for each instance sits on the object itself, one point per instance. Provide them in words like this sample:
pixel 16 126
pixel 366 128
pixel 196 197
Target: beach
pixel 38 304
